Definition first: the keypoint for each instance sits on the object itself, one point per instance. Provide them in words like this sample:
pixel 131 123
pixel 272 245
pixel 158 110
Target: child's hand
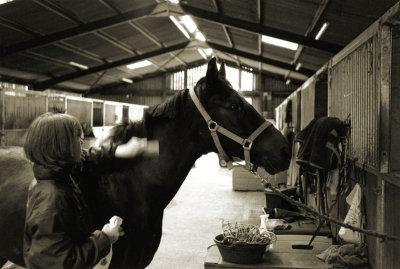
pixel 113 230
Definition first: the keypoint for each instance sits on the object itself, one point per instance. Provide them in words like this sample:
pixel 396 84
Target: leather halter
pixel 214 128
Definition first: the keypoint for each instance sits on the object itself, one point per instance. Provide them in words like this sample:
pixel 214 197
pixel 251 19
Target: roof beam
pixel 110 6
pixel 47 83
pixel 228 37
pixel 315 20
pixel 153 39
pixel 112 40
pixel 79 51
pixel 258 28
pixel 18 27
pixel 60 11
pixel 259 58
pixel 78 30
pixel 260 21
pixel 47 59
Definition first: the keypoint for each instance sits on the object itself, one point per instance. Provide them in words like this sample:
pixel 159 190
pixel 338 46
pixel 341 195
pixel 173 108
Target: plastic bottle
pixel 104 263
pixel 263 224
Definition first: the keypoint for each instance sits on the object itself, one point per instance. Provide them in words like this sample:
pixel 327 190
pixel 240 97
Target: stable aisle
pixel 193 218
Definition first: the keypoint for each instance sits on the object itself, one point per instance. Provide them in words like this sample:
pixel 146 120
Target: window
pixel 249 100
pixel 243 80
pixel 247 81
pixel 194 74
pixel 178 80
pixel 232 75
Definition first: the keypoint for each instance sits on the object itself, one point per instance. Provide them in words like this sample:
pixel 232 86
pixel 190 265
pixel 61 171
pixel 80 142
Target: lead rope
pixel 383 237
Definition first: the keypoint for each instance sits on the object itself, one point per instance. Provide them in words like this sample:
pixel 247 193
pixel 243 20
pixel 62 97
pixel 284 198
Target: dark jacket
pixel 58 228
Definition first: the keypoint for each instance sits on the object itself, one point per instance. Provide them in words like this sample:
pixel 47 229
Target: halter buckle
pixel 247 144
pixel 212 126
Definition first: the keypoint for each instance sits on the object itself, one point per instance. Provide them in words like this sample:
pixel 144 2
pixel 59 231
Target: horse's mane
pixel 172 108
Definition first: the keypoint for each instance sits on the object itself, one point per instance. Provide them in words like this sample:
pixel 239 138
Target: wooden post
pixel 2 117
pixel 260 90
pixel 385 39
pixel 385 68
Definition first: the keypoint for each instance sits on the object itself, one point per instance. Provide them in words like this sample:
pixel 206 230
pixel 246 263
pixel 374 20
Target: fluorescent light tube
pixel 298 66
pixel 322 30
pixel 5 1
pixel 200 36
pixel 127 80
pixel 202 53
pixel 139 64
pixel 189 23
pixel 81 66
pixel 180 27
pixel 279 42
pixel 208 51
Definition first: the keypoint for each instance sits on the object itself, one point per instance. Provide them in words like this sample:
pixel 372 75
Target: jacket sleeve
pixel 98 158
pixel 52 247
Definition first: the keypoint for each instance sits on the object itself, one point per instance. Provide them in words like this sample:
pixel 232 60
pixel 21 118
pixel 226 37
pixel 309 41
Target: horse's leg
pixel 152 245
pixel 136 249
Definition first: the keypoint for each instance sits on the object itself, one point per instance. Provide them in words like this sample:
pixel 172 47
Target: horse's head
pixel 229 110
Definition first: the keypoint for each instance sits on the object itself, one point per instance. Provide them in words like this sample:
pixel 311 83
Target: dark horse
pixel 139 190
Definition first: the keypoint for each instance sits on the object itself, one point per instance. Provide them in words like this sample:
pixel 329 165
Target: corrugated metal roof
pixel 40 37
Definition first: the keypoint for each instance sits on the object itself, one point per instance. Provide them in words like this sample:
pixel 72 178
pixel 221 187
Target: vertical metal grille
pixel 178 80
pixel 353 89
pixel 194 74
pixel 97 114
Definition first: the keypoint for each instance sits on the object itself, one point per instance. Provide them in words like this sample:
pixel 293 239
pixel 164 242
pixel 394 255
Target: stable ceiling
pixel 40 38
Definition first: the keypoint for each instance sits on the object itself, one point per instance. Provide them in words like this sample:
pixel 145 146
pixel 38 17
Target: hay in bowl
pixel 243 243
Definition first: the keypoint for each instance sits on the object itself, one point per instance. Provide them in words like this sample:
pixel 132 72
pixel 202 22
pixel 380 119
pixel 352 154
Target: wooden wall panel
pixel 56 103
pixel 21 108
pixel 307 105
pixel 81 109
pixel 391 249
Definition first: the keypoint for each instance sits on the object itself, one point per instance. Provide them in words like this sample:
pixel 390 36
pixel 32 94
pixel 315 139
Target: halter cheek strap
pixel 215 129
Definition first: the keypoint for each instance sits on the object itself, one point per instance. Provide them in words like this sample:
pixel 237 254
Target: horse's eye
pixel 234 107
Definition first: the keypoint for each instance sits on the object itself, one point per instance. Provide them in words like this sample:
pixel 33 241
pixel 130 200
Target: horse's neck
pixel 179 149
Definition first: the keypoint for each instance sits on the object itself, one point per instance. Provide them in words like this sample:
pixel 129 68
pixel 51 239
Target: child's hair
pixel 51 140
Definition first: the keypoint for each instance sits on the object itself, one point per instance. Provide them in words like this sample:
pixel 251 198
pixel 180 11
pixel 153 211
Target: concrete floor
pixel 193 218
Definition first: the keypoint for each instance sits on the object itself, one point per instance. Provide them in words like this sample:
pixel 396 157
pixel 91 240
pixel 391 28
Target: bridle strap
pixel 249 142
pixel 214 128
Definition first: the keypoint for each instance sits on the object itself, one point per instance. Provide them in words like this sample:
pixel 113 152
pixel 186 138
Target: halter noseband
pixel 214 128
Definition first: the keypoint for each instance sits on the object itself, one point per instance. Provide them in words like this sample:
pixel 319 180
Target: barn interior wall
pixel 274 91
pixel 370 204
pixel 19 107
pixel 391 219
pixel 364 82
pixel 265 97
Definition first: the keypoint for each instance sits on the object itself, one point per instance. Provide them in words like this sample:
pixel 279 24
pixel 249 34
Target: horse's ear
pixel 222 73
pixel 212 71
